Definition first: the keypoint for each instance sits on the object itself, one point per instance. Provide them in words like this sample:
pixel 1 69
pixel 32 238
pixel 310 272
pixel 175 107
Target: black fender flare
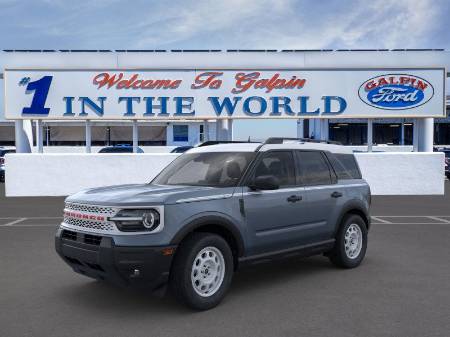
pixel 216 220
pixel 354 206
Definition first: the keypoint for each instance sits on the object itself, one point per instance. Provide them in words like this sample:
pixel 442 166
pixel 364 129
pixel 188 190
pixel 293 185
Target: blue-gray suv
pixel 217 208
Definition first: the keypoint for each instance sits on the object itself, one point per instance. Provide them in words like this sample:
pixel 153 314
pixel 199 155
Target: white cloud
pixel 259 24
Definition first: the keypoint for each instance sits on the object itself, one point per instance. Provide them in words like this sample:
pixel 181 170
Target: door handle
pixel 336 194
pixel 294 198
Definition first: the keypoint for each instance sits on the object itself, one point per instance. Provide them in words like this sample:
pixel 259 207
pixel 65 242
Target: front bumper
pixel 98 257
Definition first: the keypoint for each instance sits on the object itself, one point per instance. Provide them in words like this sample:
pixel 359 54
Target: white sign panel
pixel 212 94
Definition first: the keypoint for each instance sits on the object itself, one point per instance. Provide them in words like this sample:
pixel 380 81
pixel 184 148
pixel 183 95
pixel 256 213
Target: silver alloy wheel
pixel 353 241
pixel 208 271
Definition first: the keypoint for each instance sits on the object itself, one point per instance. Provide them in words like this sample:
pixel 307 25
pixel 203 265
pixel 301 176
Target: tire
pixel 351 226
pixel 203 260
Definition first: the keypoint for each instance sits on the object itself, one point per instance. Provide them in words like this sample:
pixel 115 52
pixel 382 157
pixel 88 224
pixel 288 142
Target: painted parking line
pixel 438 218
pixel 11 223
pixel 411 219
pixel 33 217
pixel 30 222
pixel 380 220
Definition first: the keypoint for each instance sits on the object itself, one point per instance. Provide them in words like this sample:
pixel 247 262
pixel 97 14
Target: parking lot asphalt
pixel 401 289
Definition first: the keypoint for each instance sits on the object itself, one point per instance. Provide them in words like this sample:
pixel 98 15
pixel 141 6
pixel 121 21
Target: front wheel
pixel 351 242
pixel 202 270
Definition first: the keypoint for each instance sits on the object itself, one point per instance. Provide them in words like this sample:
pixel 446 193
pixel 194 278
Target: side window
pixel 279 164
pixel 313 168
pixel 345 166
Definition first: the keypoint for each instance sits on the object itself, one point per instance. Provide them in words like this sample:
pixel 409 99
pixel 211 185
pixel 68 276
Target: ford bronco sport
pixel 216 208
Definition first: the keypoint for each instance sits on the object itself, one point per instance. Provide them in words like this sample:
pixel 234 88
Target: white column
pixel 313 132
pixel 205 131
pixel 324 128
pixel 369 135
pixel 416 135
pixel 39 138
pixel 218 126
pixel 135 136
pixel 229 129
pixel 222 129
pixel 88 136
pixel 300 123
pixel 169 134
pixel 402 134
pixel 23 135
pixel 426 134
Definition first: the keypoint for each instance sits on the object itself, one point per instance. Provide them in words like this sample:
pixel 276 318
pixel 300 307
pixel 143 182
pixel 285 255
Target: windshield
pixel 215 169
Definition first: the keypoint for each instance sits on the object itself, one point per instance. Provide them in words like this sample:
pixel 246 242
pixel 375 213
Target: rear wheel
pixel 202 270
pixel 351 242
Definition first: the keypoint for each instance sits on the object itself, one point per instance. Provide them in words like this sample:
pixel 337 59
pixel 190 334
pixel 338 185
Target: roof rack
pixel 215 142
pixel 280 140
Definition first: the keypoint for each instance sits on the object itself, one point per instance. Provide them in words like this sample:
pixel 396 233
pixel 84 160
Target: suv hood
pixel 142 194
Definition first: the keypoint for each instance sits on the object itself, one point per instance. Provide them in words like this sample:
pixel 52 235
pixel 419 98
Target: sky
pixel 231 24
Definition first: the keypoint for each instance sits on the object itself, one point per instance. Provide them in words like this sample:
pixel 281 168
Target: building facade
pixel 392 131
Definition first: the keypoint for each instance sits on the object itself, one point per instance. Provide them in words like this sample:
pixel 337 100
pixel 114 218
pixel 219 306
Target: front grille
pixel 92 239
pixel 89 224
pixel 69 235
pixel 100 210
pixel 95 266
pixel 73 261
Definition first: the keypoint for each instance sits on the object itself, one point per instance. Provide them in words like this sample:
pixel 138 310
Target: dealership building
pixel 62 135
pixel 61 106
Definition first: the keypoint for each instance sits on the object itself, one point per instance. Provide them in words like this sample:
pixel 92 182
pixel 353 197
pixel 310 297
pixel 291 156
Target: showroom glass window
pixel 280 164
pixel 313 168
pixel 180 133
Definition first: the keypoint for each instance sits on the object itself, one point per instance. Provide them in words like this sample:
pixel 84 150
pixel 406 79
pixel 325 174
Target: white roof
pixel 287 145
pixel 232 147
pixel 231 59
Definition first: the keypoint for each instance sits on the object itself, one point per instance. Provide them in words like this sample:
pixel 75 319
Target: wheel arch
pixel 217 225
pixel 357 208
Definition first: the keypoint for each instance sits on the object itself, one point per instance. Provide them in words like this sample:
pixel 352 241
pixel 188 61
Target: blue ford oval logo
pixel 396 91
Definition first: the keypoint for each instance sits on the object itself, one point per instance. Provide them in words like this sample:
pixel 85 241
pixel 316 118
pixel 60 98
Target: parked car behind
pixel 2 162
pixel 447 159
pixel 181 149
pixel 447 162
pixel 121 148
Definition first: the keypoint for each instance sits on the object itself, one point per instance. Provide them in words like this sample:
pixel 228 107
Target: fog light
pixel 136 273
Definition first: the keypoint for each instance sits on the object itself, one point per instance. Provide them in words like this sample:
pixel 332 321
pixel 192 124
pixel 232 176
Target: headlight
pixel 137 220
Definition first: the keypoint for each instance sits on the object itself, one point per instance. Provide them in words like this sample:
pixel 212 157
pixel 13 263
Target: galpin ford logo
pixel 396 91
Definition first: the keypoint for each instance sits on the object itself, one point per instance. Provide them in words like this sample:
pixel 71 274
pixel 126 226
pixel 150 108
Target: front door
pixel 274 217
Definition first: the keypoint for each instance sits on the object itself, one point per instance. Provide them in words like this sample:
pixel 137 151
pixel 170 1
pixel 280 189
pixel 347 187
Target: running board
pixel 299 251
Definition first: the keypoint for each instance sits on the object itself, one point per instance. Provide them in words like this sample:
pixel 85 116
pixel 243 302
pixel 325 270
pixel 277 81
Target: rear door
pixel 323 194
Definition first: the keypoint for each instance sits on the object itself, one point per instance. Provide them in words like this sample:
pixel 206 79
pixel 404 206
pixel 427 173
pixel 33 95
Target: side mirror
pixel 266 182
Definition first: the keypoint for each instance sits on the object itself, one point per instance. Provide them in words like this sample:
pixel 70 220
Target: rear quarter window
pixel 345 165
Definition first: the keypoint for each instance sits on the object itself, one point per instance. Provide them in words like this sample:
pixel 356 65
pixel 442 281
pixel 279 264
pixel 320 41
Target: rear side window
pixel 345 165
pixel 313 168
